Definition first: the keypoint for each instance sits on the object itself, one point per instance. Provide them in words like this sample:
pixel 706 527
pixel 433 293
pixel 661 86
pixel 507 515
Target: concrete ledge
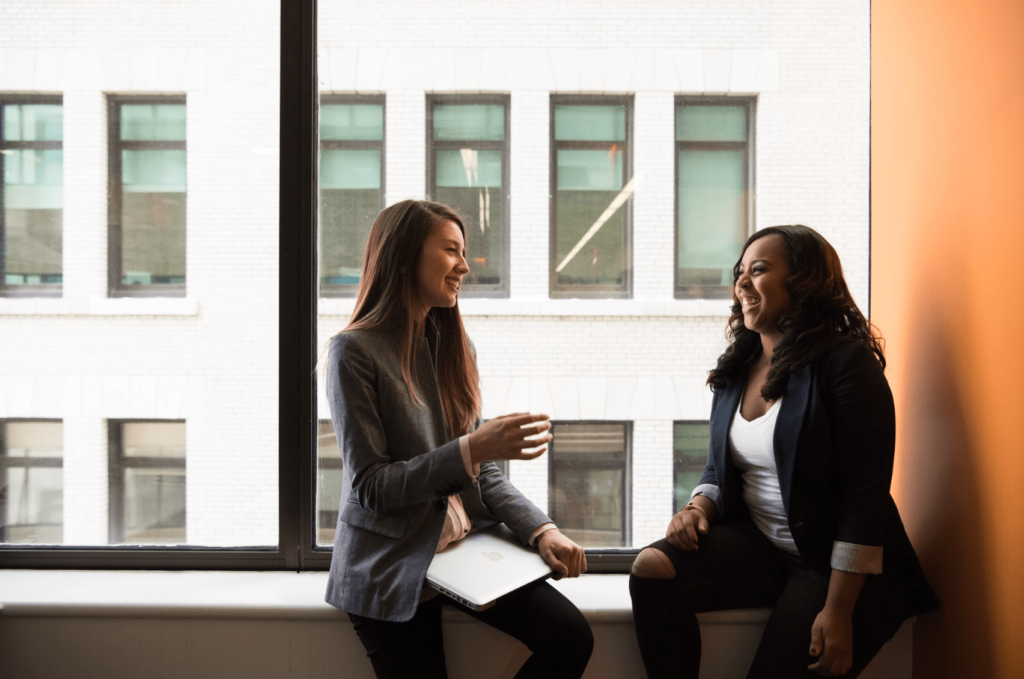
pixel 271 625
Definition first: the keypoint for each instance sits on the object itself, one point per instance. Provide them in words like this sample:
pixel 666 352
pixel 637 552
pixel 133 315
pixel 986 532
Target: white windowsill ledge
pixel 258 596
pixel 99 306
pixel 477 306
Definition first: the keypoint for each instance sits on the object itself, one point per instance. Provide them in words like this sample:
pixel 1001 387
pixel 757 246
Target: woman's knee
pixel 652 563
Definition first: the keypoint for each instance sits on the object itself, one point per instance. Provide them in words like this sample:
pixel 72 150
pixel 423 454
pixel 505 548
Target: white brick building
pixel 210 358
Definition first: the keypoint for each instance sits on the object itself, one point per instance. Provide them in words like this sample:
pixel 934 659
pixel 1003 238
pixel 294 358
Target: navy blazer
pixel 834 446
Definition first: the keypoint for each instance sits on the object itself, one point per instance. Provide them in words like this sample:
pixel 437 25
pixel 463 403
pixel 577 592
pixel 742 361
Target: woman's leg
pixel 549 625
pixel 401 650
pixel 735 567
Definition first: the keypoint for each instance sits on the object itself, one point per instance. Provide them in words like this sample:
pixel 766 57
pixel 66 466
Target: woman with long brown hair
pixel 793 510
pixel 419 473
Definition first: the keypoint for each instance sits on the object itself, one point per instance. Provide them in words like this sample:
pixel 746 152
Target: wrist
pixel 691 507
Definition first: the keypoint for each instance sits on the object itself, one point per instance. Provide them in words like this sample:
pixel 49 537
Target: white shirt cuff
pixel 472 470
pixel 852 558
pixel 544 527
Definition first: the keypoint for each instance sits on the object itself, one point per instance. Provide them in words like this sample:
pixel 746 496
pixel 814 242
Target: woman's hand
pixel 832 643
pixel 562 554
pixel 687 526
pixel 510 437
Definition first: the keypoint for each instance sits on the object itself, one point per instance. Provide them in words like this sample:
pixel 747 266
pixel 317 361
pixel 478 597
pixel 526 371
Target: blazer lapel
pixel 788 426
pixel 725 409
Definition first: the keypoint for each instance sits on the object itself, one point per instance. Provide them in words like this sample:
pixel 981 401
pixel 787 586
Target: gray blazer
pixel 399 469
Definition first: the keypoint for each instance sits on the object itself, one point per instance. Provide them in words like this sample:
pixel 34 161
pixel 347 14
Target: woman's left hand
pixel 832 643
pixel 562 554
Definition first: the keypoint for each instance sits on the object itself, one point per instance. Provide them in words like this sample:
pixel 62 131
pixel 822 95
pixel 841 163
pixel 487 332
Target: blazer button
pixel 441 505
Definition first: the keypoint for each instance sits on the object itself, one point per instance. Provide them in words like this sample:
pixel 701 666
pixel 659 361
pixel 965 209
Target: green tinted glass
pixel 153 122
pixel 712 214
pixel 589 170
pixel 33 179
pixel 153 171
pixel 359 122
pixel 590 123
pixel 33 201
pixel 33 122
pixel 484 122
pixel 711 123
pixel 468 168
pixel 689 454
pixel 350 169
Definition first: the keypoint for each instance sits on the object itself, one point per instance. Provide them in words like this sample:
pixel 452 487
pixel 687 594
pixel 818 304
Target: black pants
pixel 737 567
pixel 537 615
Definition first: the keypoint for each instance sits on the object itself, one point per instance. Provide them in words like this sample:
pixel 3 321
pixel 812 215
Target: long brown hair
pixel 387 293
pixel 823 313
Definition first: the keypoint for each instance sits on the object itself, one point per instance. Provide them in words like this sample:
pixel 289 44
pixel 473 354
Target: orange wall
pixel 948 294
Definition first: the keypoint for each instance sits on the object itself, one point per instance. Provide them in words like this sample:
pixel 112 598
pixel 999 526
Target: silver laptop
pixel 485 565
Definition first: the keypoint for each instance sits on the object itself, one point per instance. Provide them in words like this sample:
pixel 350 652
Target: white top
pixel 752 449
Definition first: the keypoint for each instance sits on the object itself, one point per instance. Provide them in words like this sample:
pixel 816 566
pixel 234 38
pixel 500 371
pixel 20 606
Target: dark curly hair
pixel 824 313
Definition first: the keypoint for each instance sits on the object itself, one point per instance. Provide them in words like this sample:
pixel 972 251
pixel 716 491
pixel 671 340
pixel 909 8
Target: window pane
pixel 468 168
pixel 153 217
pixel 711 123
pixel 154 506
pixel 689 455
pixel 154 439
pixel 352 121
pixel 712 215
pixel 472 121
pixel 590 123
pixel 587 493
pixel 31 482
pixel 328 486
pixel 350 169
pixel 153 122
pixel 33 122
pixel 33 202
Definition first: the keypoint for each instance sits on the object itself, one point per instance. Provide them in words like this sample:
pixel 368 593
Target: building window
pixel 147 196
pixel 588 482
pixel 31 482
pixel 328 483
pixel 147 482
pixel 351 186
pixel 689 455
pixel 468 169
pixel 591 184
pixel 31 195
pixel 714 176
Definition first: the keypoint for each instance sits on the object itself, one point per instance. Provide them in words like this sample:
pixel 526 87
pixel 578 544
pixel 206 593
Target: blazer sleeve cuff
pixel 472 470
pixel 852 558
pixel 710 491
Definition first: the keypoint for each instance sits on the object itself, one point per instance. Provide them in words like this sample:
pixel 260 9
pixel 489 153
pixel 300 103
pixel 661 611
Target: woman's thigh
pixel 735 566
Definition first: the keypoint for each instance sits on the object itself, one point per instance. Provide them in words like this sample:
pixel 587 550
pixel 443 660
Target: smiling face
pixel 441 267
pixel 760 287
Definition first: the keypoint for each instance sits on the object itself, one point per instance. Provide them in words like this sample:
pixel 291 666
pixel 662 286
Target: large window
pixel 689 455
pixel 147 482
pixel 31 482
pixel 713 198
pixel 31 195
pixel 147 196
pixel 328 483
pixel 591 184
pixel 467 168
pixel 589 484
pixel 351 186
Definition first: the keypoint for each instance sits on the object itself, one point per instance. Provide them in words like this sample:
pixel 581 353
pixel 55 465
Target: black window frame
pixel 115 193
pixel 26 289
pixel 117 465
pixel 557 291
pixel 605 559
pixel 748 147
pixel 7 462
pixel 469 290
pixel 330 290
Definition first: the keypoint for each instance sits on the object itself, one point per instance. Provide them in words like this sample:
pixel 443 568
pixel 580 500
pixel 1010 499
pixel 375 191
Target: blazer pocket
pixel 387 525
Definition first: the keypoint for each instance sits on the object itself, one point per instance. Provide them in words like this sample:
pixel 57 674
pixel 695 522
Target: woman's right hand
pixel 686 527
pixel 506 438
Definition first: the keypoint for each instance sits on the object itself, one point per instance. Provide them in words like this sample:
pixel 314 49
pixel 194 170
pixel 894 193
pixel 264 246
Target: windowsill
pixel 99 306
pixel 258 596
pixel 478 306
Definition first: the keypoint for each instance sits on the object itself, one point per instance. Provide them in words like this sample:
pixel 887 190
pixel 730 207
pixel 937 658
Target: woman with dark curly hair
pixel 793 510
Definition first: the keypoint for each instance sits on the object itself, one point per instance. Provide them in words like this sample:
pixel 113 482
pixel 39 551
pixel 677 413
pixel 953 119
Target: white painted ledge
pixel 477 306
pixel 99 306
